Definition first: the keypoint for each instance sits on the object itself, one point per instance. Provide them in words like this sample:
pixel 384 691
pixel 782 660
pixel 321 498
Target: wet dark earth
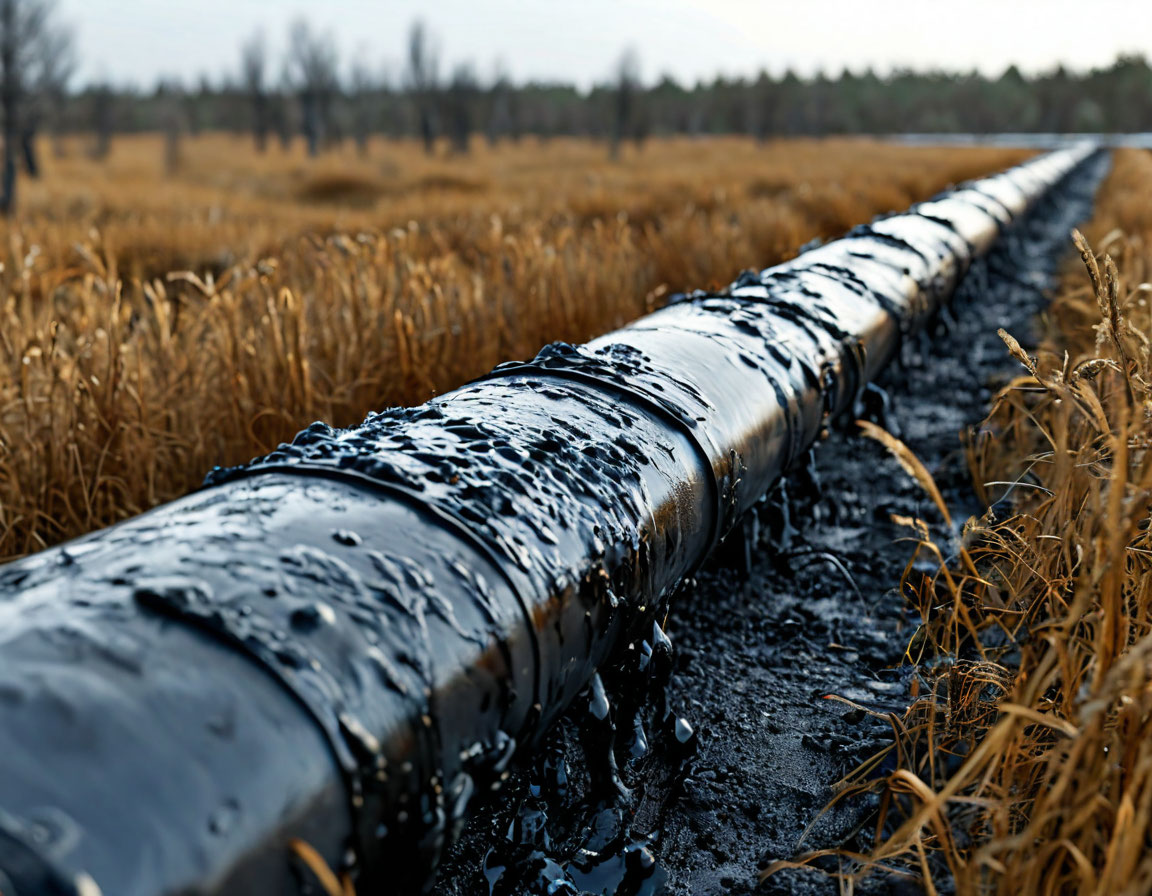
pixel 709 750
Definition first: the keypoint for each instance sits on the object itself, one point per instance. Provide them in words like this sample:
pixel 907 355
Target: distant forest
pixel 312 98
pixel 313 92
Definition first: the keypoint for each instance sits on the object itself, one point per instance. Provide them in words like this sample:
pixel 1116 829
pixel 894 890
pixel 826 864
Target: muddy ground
pixel 730 757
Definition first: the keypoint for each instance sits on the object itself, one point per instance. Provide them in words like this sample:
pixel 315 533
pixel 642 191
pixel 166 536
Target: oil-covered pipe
pixel 345 641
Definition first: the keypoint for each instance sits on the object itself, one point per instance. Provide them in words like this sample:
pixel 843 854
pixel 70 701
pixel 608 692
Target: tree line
pixel 325 101
pixel 311 91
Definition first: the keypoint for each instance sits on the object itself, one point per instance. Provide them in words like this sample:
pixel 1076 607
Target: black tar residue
pixel 759 644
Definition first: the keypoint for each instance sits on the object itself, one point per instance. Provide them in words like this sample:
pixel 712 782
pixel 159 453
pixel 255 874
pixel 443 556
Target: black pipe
pixel 345 641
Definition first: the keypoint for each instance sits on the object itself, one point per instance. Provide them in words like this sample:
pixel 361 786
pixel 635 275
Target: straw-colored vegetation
pixel 1025 763
pixel 167 311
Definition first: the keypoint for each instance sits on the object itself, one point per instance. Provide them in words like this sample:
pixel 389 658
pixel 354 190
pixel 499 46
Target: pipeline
pixel 344 643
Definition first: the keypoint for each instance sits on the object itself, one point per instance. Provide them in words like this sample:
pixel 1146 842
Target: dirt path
pixel 622 799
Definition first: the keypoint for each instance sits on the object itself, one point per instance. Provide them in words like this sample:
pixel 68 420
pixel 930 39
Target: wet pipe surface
pixel 346 641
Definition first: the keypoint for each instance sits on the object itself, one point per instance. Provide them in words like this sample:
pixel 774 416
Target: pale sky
pixel 137 40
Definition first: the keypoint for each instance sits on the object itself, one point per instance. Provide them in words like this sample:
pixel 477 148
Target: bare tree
pixel 421 80
pixel 624 100
pixel 312 71
pixel 460 101
pixel 361 85
pixel 55 66
pixel 102 102
pixel 35 58
pixel 172 102
pixel 503 111
pixel 254 72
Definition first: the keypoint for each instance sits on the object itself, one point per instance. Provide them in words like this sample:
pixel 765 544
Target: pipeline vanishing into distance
pixel 345 642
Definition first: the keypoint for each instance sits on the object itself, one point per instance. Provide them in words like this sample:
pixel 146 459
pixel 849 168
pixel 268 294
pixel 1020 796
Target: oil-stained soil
pixel 692 764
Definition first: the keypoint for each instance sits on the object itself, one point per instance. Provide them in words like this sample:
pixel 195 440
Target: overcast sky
pixel 139 40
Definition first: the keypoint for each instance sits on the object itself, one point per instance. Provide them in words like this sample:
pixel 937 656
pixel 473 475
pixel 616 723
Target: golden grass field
pixel 159 321
pixel 1025 762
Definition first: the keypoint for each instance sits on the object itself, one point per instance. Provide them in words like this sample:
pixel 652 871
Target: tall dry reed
pixel 156 325
pixel 1024 764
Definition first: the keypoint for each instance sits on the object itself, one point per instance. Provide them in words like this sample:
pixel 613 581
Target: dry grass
pixel 1025 763
pixel 155 325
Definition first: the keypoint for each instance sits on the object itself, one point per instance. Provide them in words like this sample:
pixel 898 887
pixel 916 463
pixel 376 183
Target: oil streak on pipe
pixel 346 641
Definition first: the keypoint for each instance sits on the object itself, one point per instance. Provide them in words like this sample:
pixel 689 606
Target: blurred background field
pixel 163 316
pixel 224 202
